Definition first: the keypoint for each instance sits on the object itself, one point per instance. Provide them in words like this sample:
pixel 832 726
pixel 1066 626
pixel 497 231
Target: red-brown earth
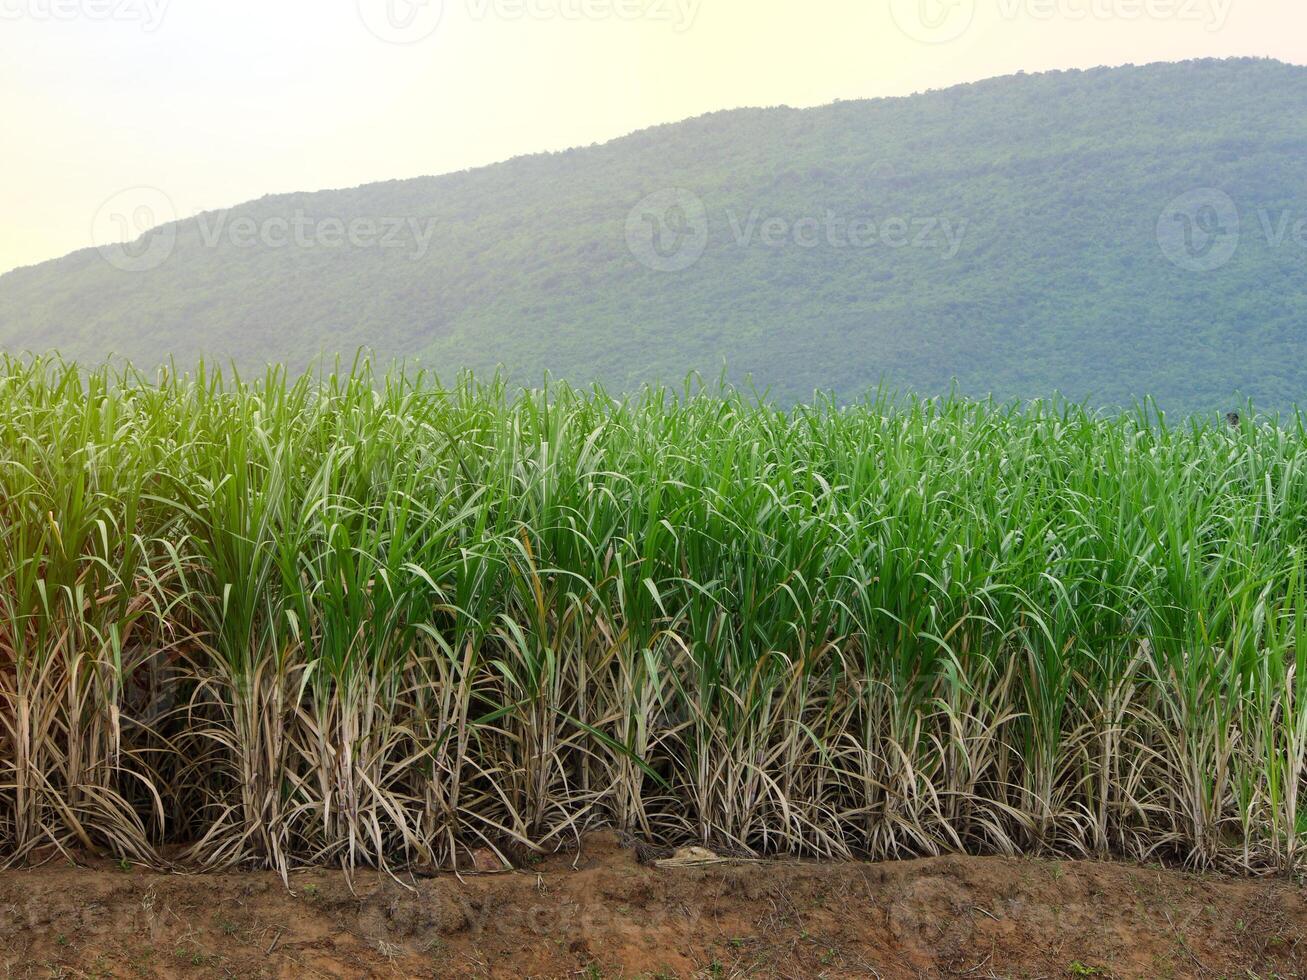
pixel 598 913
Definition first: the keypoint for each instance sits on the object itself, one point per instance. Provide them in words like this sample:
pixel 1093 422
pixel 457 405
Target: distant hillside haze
pixel 1106 234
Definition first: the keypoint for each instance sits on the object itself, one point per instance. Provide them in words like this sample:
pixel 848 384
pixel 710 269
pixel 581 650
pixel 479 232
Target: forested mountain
pixel 1107 234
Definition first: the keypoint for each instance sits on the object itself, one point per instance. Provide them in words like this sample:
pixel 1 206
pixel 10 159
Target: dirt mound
pixel 599 913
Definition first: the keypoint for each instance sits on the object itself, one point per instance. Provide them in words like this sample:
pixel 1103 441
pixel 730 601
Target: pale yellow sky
pixel 214 102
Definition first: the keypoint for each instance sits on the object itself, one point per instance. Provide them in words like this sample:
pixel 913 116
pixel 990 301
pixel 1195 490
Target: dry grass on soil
pixel 598 913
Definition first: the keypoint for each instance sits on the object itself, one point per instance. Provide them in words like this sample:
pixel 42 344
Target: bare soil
pixel 598 913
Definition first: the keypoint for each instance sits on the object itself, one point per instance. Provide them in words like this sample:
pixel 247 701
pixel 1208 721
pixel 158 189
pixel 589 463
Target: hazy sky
pixel 214 102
